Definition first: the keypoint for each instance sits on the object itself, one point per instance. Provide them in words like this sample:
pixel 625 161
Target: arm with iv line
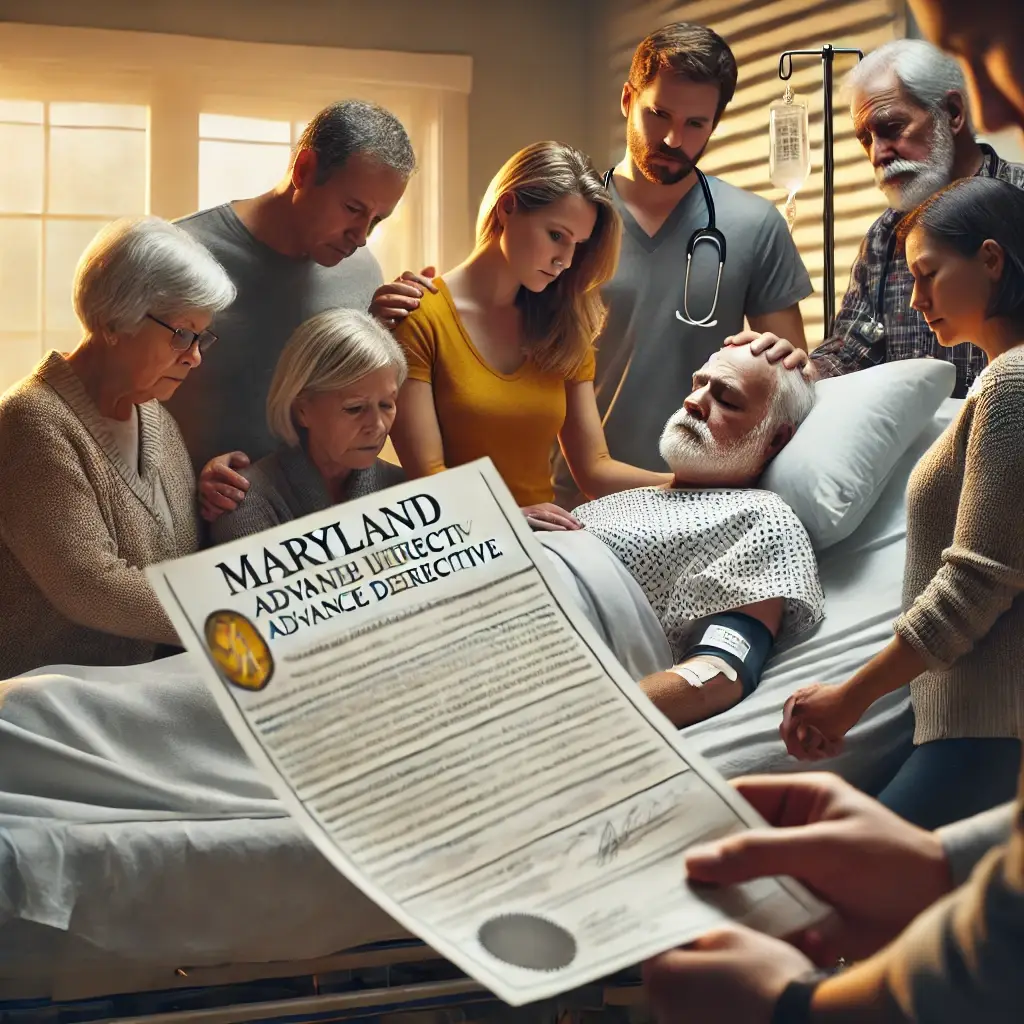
pixel 721 668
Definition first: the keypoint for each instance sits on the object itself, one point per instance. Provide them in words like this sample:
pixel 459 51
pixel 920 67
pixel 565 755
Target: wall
pixel 528 67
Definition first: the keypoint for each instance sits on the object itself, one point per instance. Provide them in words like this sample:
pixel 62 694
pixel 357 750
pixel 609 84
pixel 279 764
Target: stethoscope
pixel 709 234
pixel 875 330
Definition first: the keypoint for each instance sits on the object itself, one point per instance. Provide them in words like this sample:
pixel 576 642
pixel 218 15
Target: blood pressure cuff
pixel 741 641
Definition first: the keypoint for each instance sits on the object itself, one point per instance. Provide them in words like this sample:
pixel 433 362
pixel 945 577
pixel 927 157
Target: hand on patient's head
pixel 741 412
pixel 221 489
pixel 395 300
pixel 772 347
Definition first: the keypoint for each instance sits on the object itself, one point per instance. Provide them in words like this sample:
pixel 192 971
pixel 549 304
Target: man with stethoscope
pixel 697 256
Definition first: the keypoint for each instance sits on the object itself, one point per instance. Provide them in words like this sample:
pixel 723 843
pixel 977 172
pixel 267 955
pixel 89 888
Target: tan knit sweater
pixel 78 524
pixel 965 566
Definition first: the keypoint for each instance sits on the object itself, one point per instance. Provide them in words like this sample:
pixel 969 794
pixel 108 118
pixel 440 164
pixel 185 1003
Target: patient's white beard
pixel 928 175
pixel 690 451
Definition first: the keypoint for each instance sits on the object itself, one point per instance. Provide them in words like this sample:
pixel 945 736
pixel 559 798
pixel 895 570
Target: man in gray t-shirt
pixel 681 79
pixel 222 408
pixel 292 253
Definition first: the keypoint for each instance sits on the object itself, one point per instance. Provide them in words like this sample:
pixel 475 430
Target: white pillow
pixel 833 470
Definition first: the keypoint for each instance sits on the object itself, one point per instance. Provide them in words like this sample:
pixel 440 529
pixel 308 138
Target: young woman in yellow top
pixel 500 356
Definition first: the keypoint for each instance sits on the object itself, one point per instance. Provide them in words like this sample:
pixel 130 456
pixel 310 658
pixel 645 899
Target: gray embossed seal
pixel 525 940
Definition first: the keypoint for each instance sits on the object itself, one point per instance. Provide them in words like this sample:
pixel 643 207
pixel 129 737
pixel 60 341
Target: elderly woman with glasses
pixel 95 481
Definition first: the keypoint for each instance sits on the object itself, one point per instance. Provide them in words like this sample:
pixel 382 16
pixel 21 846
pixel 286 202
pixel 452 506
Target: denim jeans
pixel 946 780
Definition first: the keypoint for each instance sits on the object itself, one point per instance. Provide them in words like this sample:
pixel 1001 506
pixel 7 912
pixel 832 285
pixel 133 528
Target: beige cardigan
pixel 965 566
pixel 78 524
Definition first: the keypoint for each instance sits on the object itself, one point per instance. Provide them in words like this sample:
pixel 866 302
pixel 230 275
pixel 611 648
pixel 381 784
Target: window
pixel 68 169
pixel 127 133
pixel 241 156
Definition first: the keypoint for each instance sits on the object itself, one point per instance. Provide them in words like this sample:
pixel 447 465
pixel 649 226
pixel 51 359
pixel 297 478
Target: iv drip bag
pixel 789 153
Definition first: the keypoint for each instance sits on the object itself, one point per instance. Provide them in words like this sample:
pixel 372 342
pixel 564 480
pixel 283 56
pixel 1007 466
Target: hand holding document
pixel 449 731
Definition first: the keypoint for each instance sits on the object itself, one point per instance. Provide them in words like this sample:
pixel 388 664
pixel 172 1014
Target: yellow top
pixel 515 418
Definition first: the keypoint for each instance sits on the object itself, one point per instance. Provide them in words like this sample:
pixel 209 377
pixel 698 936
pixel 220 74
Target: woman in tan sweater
pixel 95 481
pixel 960 640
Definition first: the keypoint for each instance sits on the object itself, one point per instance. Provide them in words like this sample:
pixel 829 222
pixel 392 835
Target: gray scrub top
pixel 646 357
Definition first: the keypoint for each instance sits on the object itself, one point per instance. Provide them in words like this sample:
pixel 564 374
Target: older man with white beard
pixel 725 568
pixel 910 113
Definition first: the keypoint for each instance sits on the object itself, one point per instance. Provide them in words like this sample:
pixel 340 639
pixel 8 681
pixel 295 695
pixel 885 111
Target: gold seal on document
pixel 238 650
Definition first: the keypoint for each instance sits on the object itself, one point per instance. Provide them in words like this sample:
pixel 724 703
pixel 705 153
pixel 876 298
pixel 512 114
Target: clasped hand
pixel 816 719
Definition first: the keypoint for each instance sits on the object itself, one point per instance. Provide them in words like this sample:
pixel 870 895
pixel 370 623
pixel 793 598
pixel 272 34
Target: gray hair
pixel 793 398
pixel 330 351
pixel 355 126
pixel 926 73
pixel 144 265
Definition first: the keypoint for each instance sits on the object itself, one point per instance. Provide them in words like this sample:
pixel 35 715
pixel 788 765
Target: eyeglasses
pixel 184 339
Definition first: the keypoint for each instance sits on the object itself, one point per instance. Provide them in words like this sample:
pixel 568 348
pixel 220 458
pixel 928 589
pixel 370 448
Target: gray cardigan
pixel 286 485
pixel 967 841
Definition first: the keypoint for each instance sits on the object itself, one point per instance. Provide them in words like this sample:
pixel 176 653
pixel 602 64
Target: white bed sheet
pixel 862 577
pixel 202 870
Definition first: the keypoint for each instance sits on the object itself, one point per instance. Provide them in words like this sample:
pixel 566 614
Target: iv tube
pixel 789 149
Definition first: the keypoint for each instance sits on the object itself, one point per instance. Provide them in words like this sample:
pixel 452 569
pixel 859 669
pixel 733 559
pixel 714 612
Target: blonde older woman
pixel 331 403
pixel 95 481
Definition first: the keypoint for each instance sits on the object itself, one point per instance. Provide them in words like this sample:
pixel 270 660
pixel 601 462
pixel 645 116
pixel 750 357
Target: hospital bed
pixel 186 894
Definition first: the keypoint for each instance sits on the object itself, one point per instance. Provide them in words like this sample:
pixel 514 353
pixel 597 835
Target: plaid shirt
pixel 906 335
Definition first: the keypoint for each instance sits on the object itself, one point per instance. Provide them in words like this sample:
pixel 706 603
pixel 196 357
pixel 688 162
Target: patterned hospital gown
pixel 697 553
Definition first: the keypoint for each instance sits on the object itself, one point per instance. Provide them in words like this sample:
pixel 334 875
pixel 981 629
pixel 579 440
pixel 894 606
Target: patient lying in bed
pixel 726 569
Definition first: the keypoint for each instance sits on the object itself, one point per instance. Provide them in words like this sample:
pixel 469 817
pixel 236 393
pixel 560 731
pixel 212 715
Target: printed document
pixel 448 729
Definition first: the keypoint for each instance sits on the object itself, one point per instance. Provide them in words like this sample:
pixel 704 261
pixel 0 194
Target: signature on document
pixel 639 821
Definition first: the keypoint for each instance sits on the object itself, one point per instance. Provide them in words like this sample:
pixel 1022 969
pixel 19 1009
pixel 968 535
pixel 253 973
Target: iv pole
pixel 826 55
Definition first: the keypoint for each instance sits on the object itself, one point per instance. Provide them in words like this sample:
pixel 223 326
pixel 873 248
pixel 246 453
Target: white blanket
pixel 135 837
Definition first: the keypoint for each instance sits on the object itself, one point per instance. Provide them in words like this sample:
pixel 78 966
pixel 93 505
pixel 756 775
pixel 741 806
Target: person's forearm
pixel 609 476
pixel 858 995
pixel 417 462
pixel 684 704
pixel 92 587
pixel 896 665
pixel 824 364
pixel 119 602
pixel 842 351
